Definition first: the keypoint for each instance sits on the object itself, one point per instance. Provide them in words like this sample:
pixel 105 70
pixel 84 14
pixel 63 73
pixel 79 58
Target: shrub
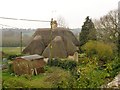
pixel 65 64
pixel 11 57
pixel 59 78
pixel 113 67
pixel 10 67
pixel 83 60
pixel 90 76
pixel 100 49
pixel 91 79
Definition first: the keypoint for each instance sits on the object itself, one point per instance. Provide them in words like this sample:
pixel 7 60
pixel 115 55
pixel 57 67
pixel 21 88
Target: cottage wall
pixel 30 67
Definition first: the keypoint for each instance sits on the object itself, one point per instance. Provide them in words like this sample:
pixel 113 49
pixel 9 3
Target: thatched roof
pixel 57 49
pixel 69 46
pixel 63 32
pixel 63 42
pixel 35 47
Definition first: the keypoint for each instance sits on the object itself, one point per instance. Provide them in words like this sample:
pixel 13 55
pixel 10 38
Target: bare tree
pixel 61 22
pixel 107 26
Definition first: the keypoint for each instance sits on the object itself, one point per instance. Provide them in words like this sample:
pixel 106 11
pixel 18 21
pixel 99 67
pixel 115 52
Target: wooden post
pixel 21 42
pixel 50 57
pixel 32 71
pixel 36 71
pixel 76 56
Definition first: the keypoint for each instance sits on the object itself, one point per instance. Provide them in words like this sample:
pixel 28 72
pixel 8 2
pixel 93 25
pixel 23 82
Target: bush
pixel 97 48
pixel 91 79
pixel 59 78
pixel 11 57
pixel 65 64
pixel 113 67
pixel 91 76
pixel 83 60
pixel 10 67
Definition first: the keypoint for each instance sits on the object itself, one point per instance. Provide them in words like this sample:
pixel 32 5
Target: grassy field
pixel 11 50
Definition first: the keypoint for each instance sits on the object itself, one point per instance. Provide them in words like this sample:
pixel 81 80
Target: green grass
pixel 0 75
pixel 24 81
pixel 50 79
pixel 11 50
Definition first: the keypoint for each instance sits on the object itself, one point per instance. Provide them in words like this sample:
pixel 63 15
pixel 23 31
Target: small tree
pixel 88 32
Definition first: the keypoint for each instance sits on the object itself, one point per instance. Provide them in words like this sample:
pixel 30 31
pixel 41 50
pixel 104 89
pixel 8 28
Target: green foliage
pixel 59 78
pixel 100 49
pixel 10 67
pixel 88 32
pixel 91 79
pixel 65 64
pixel 83 60
pixel 90 75
pixel 54 77
pixel 10 81
pixel 113 67
pixel 11 57
pixel 86 74
pixel 118 44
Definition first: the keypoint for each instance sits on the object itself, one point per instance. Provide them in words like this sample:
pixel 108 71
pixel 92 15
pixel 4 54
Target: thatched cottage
pixel 59 42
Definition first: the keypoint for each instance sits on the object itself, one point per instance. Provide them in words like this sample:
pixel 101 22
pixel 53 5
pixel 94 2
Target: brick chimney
pixel 53 24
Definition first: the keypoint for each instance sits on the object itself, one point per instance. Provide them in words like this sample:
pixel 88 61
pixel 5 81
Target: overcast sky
pixel 74 11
